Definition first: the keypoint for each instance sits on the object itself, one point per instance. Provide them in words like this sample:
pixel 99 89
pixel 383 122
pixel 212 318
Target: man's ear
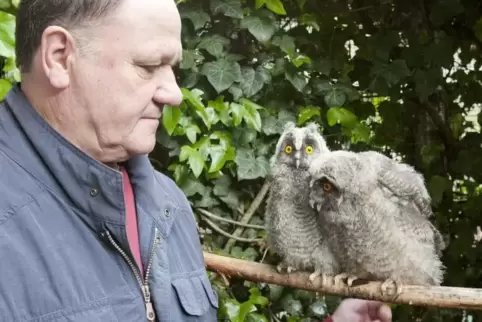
pixel 57 49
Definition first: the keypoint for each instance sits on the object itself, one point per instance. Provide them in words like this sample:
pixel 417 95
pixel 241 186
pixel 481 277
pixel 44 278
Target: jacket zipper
pixel 150 313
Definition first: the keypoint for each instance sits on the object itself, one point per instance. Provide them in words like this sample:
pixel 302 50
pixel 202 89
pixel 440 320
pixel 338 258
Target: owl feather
pixel 379 231
pixel 291 224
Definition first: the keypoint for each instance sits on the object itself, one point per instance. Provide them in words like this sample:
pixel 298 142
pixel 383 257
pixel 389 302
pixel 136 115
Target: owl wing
pixel 405 183
pixel 411 217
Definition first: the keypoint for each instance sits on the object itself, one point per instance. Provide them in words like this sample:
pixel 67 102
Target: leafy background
pixel 400 77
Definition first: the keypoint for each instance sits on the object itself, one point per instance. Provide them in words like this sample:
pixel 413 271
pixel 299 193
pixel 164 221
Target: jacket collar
pixel 91 186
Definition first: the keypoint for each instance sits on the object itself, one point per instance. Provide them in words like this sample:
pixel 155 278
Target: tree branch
pixel 249 213
pixel 226 234
pixel 234 222
pixel 434 296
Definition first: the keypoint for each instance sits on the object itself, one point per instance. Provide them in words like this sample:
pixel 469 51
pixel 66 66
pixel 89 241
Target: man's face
pixel 122 83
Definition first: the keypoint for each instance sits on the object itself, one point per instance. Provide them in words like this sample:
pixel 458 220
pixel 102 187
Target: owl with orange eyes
pixel 292 230
pixel 377 211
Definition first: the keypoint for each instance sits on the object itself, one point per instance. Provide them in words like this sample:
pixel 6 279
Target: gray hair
pixel 34 16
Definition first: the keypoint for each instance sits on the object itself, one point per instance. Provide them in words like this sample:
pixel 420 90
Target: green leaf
pixel 191 132
pixel 7 34
pixel 230 8
pixel 222 73
pixel 249 166
pixel 170 117
pixel 335 97
pixel 256 317
pixel 251 115
pixel 238 112
pixel 5 86
pixel 392 72
pixel 252 81
pixel 191 187
pixel 276 6
pixel 300 60
pixel 306 113
pixel 195 159
pixel 214 45
pixel 256 296
pixel 286 43
pixel 297 80
pixel 261 27
pixel 275 125
pixel 198 17
pixel 340 115
pixel 437 186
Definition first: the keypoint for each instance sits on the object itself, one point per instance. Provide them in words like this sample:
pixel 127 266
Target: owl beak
pixel 297 158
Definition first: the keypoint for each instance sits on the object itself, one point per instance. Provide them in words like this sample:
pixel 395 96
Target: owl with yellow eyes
pixel 292 230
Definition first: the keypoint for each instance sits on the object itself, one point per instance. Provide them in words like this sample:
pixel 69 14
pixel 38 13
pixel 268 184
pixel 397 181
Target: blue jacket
pixel 64 254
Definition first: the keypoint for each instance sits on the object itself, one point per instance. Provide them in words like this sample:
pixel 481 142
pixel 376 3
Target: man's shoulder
pixel 17 187
pixel 173 190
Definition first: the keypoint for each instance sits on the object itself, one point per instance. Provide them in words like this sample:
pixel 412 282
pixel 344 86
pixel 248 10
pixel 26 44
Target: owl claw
pixel 282 267
pixel 347 279
pixel 324 277
pixel 391 287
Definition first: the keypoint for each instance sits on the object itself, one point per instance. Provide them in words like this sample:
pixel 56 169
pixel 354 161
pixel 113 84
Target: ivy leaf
pixel 5 86
pixel 437 186
pixel 335 97
pixel 236 92
pixel 286 43
pixel 222 73
pixel 196 16
pixel 213 44
pixel 230 8
pixel 252 81
pixel 195 159
pixel 192 130
pixel 340 115
pixel 275 125
pixel 297 80
pixel 249 166
pixel 392 72
pixel 251 115
pixel 194 100
pixel 276 6
pixel 360 133
pixel 299 60
pixel 306 113
pixel 261 27
pixel 170 117
pixel 7 32
pixel 191 187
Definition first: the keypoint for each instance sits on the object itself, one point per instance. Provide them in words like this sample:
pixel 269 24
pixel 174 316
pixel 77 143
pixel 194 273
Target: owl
pixel 291 225
pixel 377 211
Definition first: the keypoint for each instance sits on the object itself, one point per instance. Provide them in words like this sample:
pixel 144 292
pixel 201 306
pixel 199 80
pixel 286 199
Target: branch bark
pixel 434 296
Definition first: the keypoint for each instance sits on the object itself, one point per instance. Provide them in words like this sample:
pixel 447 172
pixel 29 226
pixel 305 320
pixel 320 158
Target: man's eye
pixel 150 68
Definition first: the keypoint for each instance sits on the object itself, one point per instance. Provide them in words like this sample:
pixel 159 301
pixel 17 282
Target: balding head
pixel 100 71
pixel 34 16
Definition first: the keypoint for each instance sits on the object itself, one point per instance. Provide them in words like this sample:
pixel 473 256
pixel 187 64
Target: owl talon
pixel 284 268
pixel 391 287
pixel 346 278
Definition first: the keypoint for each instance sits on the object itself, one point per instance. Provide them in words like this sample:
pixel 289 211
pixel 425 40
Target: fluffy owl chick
pixel 291 225
pixel 377 233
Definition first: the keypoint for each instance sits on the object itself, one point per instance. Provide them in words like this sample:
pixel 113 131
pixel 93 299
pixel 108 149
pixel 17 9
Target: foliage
pixel 400 77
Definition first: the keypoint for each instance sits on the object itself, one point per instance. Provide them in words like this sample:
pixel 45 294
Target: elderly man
pixel 89 231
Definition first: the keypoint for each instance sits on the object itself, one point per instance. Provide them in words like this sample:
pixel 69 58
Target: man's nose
pixel 168 92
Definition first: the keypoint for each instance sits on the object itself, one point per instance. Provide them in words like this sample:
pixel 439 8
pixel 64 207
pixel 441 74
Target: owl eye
pixel 309 149
pixel 327 187
pixel 288 149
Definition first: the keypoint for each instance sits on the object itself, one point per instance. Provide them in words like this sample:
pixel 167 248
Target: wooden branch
pixel 249 213
pixel 434 296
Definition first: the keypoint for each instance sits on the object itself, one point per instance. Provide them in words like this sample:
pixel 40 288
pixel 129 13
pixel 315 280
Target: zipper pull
pixel 151 314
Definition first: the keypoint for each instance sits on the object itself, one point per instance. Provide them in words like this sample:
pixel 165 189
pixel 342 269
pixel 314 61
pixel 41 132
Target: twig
pixel 249 213
pixel 226 234
pixel 234 222
pixel 434 296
